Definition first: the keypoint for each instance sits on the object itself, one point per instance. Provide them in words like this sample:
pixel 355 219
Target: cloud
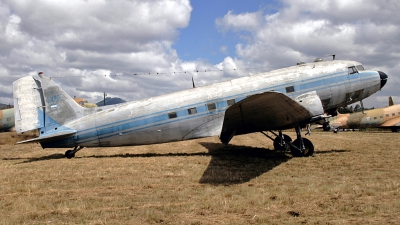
pixel 224 49
pixel 85 44
pixel 236 22
pixel 365 31
pixel 121 37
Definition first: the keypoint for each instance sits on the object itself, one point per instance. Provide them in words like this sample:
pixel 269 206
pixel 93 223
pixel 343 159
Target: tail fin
pixel 390 101
pixel 41 104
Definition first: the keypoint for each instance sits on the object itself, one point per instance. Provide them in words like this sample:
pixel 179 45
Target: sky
pixel 138 49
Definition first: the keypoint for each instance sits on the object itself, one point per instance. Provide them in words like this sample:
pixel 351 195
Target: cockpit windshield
pixel 355 69
pixel 352 70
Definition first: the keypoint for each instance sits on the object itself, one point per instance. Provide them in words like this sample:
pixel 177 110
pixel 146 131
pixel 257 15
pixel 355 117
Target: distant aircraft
pixel 84 103
pixel 7 120
pixel 271 101
pixel 387 117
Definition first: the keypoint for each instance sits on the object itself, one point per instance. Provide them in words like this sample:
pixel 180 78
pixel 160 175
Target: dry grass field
pixel 353 178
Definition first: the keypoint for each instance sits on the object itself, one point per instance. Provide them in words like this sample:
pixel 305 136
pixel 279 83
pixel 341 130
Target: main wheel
pixel 277 142
pixel 69 154
pixel 326 126
pixel 308 148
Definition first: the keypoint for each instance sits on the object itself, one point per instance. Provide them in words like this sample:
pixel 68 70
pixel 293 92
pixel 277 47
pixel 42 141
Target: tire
pixel 308 145
pixel 326 127
pixel 69 154
pixel 277 143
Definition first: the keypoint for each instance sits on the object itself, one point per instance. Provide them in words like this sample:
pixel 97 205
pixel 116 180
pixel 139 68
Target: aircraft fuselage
pixel 6 119
pixel 199 112
pixel 388 117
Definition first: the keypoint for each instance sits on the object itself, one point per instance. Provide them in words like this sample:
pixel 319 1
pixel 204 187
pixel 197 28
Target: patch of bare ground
pixel 353 178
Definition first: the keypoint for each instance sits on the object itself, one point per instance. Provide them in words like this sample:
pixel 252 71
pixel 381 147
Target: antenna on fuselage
pixel 193 83
pixel 333 56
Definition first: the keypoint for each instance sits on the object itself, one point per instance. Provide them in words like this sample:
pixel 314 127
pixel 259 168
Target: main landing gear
pixel 301 147
pixel 71 153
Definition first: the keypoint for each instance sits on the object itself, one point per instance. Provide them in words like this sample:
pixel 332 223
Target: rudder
pixel 41 104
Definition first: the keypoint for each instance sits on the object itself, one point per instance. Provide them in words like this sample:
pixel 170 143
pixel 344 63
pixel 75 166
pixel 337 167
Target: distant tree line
pixel 4 106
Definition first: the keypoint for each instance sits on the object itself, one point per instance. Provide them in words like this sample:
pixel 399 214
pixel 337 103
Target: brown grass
pixel 353 179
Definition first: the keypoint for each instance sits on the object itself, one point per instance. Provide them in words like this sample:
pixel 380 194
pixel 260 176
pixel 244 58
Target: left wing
pixel 269 111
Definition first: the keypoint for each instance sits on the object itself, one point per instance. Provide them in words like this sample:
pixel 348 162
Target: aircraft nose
pixel 384 78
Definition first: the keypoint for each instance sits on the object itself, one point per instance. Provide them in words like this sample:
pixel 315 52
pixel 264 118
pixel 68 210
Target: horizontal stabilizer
pixel 51 137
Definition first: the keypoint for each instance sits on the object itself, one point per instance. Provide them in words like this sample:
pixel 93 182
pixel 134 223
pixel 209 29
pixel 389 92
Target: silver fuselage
pixel 199 112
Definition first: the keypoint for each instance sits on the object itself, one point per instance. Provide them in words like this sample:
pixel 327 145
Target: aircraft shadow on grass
pixel 126 155
pixel 236 164
pixel 34 159
pixel 231 164
pixel 331 151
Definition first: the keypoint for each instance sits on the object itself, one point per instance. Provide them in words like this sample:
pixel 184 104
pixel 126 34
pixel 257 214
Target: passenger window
pixel 192 110
pixel 211 106
pixel 289 89
pixel 172 115
pixel 393 114
pixel 231 102
pixel 387 115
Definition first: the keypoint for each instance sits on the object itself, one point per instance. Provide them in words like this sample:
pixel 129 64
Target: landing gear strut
pixel 71 153
pixel 298 148
pixel 301 146
pixel 281 141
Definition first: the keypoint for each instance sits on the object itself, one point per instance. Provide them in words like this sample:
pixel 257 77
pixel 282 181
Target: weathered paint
pixel 387 117
pixel 7 120
pixel 166 118
pixel 84 103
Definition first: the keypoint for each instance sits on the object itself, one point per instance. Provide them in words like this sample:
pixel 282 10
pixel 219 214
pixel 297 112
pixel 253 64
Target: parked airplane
pixel 7 119
pixel 271 101
pixel 84 103
pixel 387 117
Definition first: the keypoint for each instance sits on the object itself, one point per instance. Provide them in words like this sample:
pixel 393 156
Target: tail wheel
pixel 70 154
pixel 308 148
pixel 286 141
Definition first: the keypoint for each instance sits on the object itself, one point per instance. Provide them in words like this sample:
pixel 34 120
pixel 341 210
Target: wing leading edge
pixel 269 111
